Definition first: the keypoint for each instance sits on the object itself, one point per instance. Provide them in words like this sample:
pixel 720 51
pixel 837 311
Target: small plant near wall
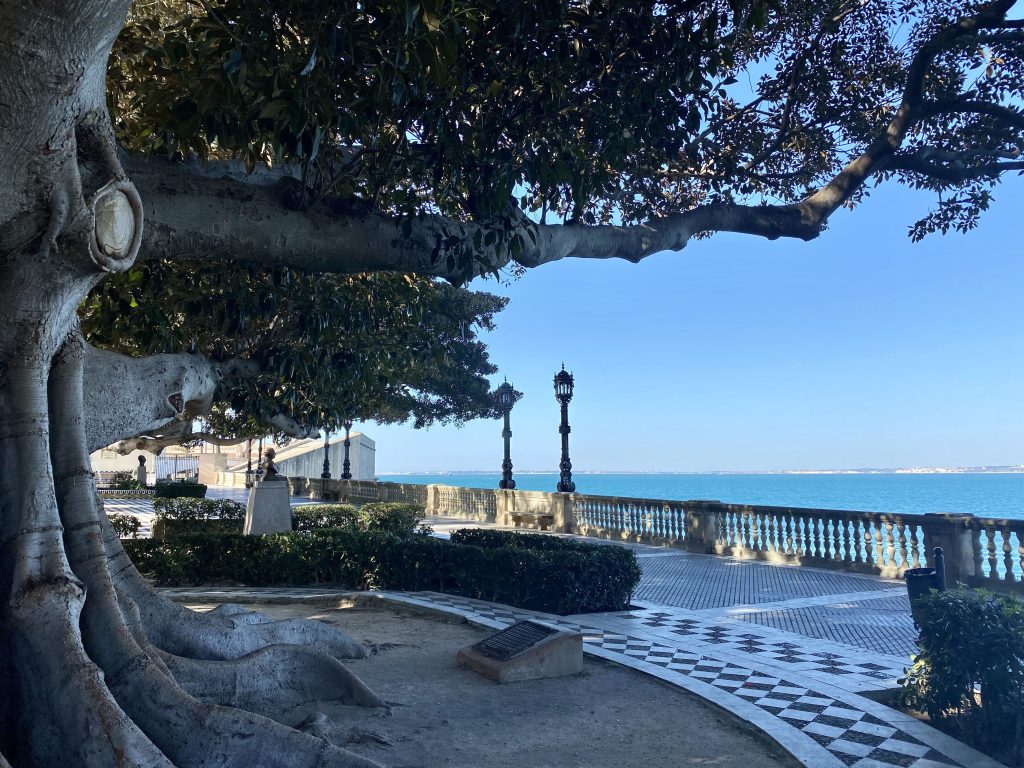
pixel 968 675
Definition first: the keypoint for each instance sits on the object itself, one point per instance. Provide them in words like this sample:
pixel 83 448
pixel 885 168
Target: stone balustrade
pixel 978 551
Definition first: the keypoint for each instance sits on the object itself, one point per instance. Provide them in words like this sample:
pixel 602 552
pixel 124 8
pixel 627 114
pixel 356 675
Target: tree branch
pixel 922 162
pixel 249 221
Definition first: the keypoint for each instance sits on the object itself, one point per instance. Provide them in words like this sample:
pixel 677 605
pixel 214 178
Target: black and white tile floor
pixel 821 723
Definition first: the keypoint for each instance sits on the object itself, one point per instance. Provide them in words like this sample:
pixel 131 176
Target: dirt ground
pixel 442 715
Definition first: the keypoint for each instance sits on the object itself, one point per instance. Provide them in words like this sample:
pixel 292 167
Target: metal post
pixel 248 464
pixel 563 393
pixel 506 465
pixel 259 466
pixel 346 467
pixel 326 474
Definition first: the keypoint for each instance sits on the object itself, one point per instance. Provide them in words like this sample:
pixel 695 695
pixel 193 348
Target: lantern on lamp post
pixel 505 396
pixel 563 393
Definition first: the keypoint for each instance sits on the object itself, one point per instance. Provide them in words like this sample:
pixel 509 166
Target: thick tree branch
pixel 1006 115
pixel 249 221
pixel 925 163
pixel 125 395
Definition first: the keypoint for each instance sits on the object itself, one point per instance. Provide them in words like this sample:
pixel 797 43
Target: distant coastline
pixel 988 470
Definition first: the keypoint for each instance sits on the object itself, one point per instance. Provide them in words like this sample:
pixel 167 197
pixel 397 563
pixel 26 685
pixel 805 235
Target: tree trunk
pixel 82 683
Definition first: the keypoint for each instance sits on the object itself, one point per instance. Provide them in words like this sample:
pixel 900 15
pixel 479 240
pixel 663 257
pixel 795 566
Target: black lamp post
pixel 326 474
pixel 506 398
pixel 259 467
pixel 346 467
pixel 563 393
pixel 248 464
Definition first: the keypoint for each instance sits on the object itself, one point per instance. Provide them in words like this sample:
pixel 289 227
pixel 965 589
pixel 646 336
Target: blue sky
pixel 860 349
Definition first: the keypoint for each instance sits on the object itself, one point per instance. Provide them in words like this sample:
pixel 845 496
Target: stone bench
pixel 542 520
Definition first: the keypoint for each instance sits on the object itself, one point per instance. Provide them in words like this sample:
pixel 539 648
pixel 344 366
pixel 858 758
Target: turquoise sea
pixel 984 495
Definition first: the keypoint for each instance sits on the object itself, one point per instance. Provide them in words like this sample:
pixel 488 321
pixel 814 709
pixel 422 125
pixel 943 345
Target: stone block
pixel 557 653
pixel 268 510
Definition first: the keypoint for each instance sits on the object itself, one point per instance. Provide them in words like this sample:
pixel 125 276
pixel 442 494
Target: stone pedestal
pixel 268 510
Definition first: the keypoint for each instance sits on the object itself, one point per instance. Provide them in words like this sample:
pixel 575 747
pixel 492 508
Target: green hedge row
pixel 969 672
pixel 177 490
pixel 555 581
pixel 189 508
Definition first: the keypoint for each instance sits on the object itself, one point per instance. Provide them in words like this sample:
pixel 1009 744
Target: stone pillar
pixel 431 504
pixel 952 532
pixel 505 505
pixel 268 510
pixel 561 510
pixel 701 526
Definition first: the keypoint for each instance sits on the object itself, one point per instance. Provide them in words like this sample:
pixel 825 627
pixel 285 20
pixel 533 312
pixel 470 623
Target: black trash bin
pixel 920 580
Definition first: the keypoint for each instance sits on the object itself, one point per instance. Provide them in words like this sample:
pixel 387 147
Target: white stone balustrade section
pixel 986 552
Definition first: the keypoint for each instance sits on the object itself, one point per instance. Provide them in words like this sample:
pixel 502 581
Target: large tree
pixel 288 353
pixel 445 138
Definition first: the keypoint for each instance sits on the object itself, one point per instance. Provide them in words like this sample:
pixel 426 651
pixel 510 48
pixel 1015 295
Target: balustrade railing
pixel 653 521
pixel 979 551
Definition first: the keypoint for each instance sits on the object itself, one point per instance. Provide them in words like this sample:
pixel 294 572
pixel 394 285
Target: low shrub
pixel 178 490
pixel 188 508
pixel 183 515
pixel 396 518
pixel 126 526
pixel 969 672
pixel 554 581
pixel 311 517
pixel 124 481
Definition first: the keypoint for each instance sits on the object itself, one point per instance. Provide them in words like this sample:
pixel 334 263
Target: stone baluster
pixel 870 547
pixel 977 545
pixel 916 560
pixel 1020 556
pixel 1007 556
pixel 993 563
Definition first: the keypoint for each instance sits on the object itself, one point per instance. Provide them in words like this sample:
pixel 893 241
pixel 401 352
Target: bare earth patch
pixel 442 715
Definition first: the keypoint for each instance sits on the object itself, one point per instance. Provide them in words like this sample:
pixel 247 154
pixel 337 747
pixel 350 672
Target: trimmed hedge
pixel 177 490
pixel 394 517
pixel 126 526
pixel 184 515
pixel 969 672
pixel 554 581
pixel 312 517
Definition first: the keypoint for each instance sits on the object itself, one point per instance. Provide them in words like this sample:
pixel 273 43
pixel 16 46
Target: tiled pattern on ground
pixel 670 580
pixel 882 625
pixel 832 719
pixel 854 731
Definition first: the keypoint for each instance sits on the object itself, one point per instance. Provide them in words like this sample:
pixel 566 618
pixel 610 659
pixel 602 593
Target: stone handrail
pixel 978 551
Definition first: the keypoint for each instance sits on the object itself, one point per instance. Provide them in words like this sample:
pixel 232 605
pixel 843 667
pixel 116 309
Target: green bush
pixel 311 517
pixel 124 481
pixel 183 515
pixel 396 518
pixel 187 508
pixel 179 490
pixel 554 581
pixel 969 672
pixel 126 526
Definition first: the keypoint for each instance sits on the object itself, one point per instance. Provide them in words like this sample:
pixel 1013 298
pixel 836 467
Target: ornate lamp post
pixel 326 474
pixel 248 464
pixel 346 467
pixel 506 398
pixel 563 393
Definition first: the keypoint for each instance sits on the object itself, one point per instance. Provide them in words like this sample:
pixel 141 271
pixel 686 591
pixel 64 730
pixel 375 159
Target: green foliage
pixel 969 672
pixel 126 526
pixel 177 490
pixel 322 349
pixel 189 508
pixel 124 481
pixel 396 518
pixel 311 517
pixel 185 515
pixel 564 582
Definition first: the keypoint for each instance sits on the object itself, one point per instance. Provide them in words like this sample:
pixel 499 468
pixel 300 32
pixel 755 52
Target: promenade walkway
pixel 790 649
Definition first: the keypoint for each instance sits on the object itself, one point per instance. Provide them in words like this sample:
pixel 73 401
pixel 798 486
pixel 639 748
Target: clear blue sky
pixel 860 349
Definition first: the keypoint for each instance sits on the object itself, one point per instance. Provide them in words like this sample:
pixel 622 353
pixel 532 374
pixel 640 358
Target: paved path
pixel 788 648
pixel 814 714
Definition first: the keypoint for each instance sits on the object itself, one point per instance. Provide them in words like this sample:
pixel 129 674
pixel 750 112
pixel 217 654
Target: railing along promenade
pixel 983 552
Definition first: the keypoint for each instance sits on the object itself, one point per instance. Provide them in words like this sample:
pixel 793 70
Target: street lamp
pixel 248 465
pixel 505 396
pixel 346 468
pixel 326 474
pixel 563 393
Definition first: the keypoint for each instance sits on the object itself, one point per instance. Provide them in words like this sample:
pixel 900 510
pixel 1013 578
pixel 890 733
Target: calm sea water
pixel 984 495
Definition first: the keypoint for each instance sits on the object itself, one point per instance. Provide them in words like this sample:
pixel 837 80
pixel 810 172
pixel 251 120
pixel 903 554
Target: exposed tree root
pixel 271 680
pixel 189 732
pixel 227 634
pixel 319 724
